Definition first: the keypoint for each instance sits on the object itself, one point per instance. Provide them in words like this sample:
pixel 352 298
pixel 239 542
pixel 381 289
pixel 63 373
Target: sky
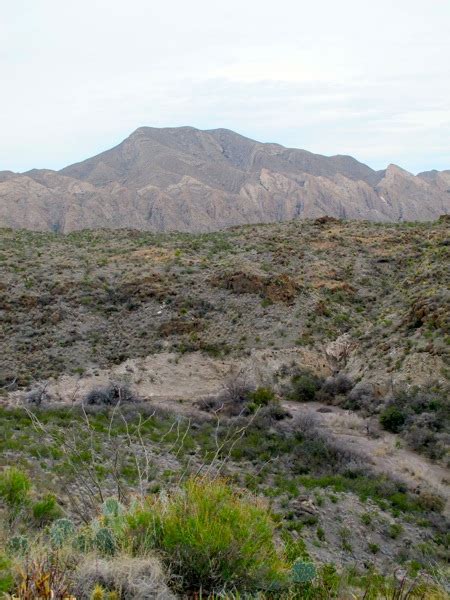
pixel 369 79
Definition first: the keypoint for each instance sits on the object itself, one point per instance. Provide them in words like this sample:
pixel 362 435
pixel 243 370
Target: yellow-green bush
pixel 210 536
pixel 14 490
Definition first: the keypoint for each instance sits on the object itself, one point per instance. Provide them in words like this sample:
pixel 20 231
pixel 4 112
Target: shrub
pixel 210 536
pixel 46 510
pixel 265 400
pixel 392 419
pixel 234 400
pixel 304 387
pixel 273 412
pixel 431 502
pixel 395 529
pixel 362 397
pixel 44 578
pixel 37 396
pixel 336 386
pixel 262 396
pixel 14 488
pixel 6 577
pixel 110 395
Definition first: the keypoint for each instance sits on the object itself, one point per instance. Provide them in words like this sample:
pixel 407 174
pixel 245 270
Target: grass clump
pixel 6 575
pixel 14 489
pixel 46 510
pixel 210 536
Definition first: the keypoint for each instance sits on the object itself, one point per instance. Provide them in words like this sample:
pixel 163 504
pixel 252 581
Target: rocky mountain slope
pixel 186 179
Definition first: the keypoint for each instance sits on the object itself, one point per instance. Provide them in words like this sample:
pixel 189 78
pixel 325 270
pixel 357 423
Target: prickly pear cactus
pixel 18 545
pixel 83 540
pixel 104 541
pixel 303 572
pixel 112 508
pixel 61 531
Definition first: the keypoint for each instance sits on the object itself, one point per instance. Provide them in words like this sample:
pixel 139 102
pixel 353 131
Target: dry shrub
pixel 45 578
pixel 130 578
pixel 363 397
pixel 319 449
pixel 232 400
pixel 110 395
pixel 338 385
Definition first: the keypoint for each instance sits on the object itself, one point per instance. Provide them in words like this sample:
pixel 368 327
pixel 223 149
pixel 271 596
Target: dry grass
pixel 131 578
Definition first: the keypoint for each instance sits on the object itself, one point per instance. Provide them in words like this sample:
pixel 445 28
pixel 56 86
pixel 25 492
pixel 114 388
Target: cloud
pixel 351 77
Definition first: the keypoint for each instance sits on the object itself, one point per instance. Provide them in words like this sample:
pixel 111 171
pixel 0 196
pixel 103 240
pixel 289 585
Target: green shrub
pixel 395 529
pixel 6 577
pixel 46 510
pixel 14 488
pixel 366 518
pixel 209 536
pixel 304 387
pixel 262 396
pixel 392 419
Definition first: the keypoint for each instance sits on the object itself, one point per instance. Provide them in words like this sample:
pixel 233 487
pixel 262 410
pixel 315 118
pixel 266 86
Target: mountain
pixel 191 180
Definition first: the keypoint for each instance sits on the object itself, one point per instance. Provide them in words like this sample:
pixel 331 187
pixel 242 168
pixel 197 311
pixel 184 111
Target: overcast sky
pixel 370 79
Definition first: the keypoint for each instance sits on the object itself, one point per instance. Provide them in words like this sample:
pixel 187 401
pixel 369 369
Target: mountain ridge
pixel 187 179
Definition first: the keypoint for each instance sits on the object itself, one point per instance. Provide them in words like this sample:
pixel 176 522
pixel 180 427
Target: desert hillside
pixel 285 385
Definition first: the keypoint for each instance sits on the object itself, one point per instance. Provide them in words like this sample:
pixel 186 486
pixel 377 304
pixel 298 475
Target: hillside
pixel 285 385
pixel 185 179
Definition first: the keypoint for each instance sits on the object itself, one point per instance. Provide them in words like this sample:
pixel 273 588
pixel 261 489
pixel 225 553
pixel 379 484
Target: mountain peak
pixel 184 178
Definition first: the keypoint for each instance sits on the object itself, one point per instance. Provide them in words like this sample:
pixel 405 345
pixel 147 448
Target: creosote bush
pixel 262 396
pixel 210 536
pixel 392 419
pixel 304 387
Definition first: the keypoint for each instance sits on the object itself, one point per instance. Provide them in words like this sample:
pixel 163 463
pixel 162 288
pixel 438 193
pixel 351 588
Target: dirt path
pixel 387 452
pixel 177 381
